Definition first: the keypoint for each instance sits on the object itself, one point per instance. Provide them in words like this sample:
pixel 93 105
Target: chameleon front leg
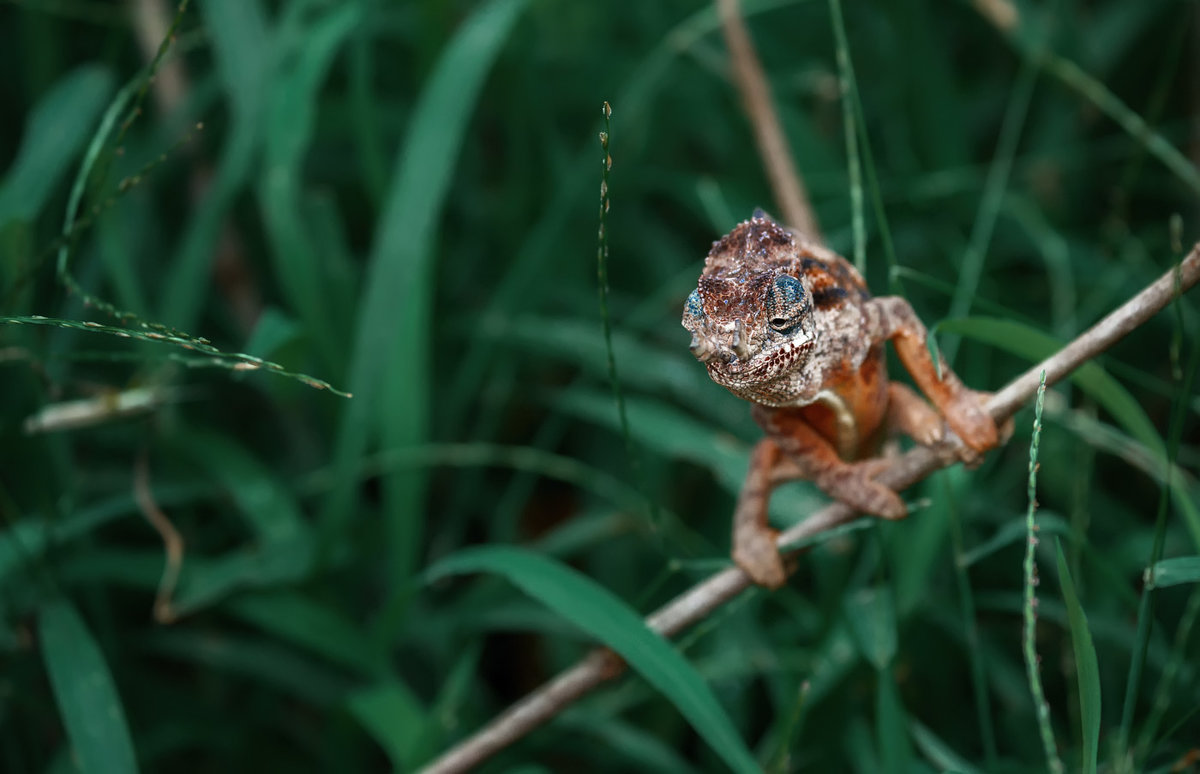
pixel 794 450
pixel 895 319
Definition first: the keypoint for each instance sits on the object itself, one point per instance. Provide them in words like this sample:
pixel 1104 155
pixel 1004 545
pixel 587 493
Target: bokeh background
pixel 400 199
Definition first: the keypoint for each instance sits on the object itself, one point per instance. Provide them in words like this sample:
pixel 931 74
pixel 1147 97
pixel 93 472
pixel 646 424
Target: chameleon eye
pixel 694 306
pixel 786 303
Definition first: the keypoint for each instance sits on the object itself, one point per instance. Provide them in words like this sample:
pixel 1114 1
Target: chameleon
pixel 790 326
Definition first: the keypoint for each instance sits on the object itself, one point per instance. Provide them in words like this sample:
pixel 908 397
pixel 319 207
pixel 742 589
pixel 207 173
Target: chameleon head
pixel 754 330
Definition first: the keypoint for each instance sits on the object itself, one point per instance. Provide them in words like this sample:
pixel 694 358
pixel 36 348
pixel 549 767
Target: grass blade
pixel 938 752
pixel 392 360
pixel 1145 620
pixel 240 47
pixel 1172 572
pixel 1099 95
pixel 606 617
pixel 975 654
pixel 393 716
pixel 306 623
pixel 846 87
pixel 1167 685
pixel 291 118
pixel 1028 342
pixel 970 270
pixel 56 129
pixel 1086 666
pixel 83 688
pixel 850 85
pixel 872 617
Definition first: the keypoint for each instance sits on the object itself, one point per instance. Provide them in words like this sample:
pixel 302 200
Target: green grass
pixel 399 201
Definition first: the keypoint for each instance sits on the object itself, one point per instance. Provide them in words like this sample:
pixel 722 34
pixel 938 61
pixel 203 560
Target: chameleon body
pixel 790 326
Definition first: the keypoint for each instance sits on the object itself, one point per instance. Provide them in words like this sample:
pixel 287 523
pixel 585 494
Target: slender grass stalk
pixel 971 269
pixel 1141 641
pixel 606 320
pixel 78 223
pixel 1172 53
pixel 1146 604
pixel 946 289
pixel 1032 659
pixel 851 84
pixel 1091 89
pixel 1080 512
pixel 1099 95
pixel 1170 673
pixel 234 361
pixel 983 708
pixel 850 125
pixel 1056 255
pixel 98 161
pixel 781 761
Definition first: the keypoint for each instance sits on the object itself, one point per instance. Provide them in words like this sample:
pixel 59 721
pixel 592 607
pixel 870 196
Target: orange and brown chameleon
pixel 790 326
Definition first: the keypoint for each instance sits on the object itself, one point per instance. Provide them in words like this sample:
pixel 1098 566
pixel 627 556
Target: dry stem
pixel 696 603
pixel 786 184
pixel 172 540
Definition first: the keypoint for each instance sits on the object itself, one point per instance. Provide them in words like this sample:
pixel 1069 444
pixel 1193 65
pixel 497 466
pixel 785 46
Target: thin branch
pixel 696 603
pixel 777 160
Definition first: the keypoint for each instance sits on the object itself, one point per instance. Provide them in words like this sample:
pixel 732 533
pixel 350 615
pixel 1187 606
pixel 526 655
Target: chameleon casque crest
pixel 791 327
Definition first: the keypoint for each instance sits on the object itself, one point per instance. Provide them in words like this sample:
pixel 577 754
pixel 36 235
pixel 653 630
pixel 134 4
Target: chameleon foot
pixel 756 553
pixel 854 484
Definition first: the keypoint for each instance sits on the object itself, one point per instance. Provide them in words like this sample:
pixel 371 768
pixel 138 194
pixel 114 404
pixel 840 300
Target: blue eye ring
pixel 694 307
pixel 786 303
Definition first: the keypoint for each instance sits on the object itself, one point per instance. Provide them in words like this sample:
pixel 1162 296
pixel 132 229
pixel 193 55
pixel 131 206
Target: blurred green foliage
pixel 400 198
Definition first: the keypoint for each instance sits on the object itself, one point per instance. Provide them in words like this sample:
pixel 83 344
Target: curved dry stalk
pixel 164 612
pixel 696 603
pixel 786 185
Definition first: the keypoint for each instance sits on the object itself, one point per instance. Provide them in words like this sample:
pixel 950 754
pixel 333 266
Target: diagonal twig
pixel 696 603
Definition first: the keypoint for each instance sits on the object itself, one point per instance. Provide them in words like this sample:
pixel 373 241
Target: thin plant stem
pixel 1146 604
pixel 1099 95
pixel 606 319
pixel 971 270
pixel 983 708
pixel 843 46
pixel 1074 77
pixel 1032 659
pixel 1162 696
pixel 850 125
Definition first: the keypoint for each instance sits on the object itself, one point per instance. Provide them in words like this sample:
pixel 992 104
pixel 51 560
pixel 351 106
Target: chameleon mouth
pixel 738 348
pixel 762 365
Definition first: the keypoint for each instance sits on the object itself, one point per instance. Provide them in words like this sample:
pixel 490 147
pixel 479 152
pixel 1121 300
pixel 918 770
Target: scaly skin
pixel 790 326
